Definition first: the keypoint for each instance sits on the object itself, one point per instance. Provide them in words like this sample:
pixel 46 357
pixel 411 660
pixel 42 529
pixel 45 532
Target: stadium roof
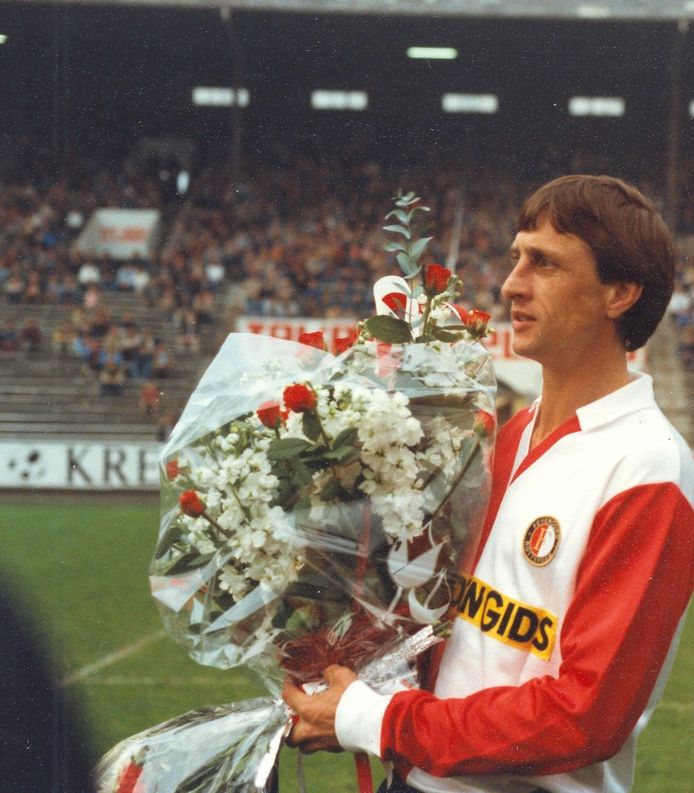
pixel 556 9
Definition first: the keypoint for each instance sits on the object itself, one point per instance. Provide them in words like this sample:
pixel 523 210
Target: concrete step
pixel 111 411
pixel 21 371
pixel 83 429
pixel 43 395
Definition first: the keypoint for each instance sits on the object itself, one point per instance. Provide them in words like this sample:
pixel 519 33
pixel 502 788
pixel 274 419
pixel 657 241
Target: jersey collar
pixel 635 395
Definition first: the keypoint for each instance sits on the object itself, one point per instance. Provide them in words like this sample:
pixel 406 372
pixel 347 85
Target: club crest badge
pixel 541 541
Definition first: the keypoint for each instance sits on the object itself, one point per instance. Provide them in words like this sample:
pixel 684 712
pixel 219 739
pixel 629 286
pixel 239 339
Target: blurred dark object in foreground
pixel 42 749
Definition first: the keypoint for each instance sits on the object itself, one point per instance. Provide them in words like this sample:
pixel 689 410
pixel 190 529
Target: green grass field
pixel 83 570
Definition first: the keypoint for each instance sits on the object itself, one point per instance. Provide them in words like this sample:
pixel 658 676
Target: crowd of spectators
pixel 300 235
pixel 27 338
pixel 115 349
pixel 304 237
pixel 41 216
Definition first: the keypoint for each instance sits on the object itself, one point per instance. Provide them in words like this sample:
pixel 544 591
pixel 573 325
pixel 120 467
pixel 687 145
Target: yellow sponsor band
pixel 510 621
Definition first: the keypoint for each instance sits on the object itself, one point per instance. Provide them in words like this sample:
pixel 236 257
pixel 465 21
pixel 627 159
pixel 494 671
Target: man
pixel 569 621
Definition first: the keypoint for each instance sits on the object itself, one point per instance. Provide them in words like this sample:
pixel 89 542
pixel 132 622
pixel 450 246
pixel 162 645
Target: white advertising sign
pixel 79 465
pixel 119 233
pixel 520 374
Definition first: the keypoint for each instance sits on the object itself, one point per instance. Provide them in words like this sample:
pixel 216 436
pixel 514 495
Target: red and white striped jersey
pixel 569 622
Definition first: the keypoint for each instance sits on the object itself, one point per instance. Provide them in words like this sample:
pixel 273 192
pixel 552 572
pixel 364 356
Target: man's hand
pixel 314 727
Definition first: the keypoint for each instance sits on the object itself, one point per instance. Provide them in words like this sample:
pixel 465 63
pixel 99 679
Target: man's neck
pixel 563 393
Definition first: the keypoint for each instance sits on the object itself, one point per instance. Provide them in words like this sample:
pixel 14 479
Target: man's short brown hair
pixel 627 235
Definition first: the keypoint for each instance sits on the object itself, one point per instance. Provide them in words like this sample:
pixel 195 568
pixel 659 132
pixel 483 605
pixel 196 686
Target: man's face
pixel 557 301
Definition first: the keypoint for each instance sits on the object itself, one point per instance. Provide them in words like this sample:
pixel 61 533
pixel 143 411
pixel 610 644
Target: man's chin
pixel 528 352
pixel 524 350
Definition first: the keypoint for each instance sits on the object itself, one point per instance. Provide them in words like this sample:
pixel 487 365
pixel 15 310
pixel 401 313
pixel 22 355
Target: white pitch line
pixel 179 681
pixel 112 658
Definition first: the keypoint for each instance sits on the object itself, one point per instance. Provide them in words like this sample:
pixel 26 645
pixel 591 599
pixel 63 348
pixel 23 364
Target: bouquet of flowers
pixel 314 510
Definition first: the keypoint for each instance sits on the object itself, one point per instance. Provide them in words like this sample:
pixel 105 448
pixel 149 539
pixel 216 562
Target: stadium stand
pixel 302 238
pixel 46 394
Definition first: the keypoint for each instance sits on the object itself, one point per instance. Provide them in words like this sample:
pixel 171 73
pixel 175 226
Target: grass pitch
pixel 81 572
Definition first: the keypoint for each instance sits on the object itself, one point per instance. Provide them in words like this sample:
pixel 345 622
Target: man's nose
pixel 515 284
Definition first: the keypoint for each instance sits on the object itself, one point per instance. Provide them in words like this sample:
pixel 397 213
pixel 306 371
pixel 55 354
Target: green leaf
pixel 389 329
pixel 314 453
pixel 301 474
pixel 414 272
pixel 318 462
pixel 349 456
pixel 332 489
pixel 339 454
pixel 310 424
pixel 347 437
pixel 406 199
pixel 446 335
pixel 405 262
pixel 398 230
pixel 401 215
pixel 418 247
pixel 287 448
pixel 391 247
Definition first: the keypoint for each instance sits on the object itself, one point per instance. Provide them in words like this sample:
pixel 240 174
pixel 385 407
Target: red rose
pixel 436 278
pixel 342 343
pixel 484 422
pixel 477 319
pixel 300 398
pixel 271 414
pixel 172 469
pixel 191 503
pixel 127 780
pixel 313 340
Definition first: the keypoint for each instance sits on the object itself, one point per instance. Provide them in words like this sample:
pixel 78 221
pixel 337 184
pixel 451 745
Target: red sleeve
pixel 632 588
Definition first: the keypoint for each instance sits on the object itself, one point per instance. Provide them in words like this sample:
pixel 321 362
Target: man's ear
pixel 621 296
